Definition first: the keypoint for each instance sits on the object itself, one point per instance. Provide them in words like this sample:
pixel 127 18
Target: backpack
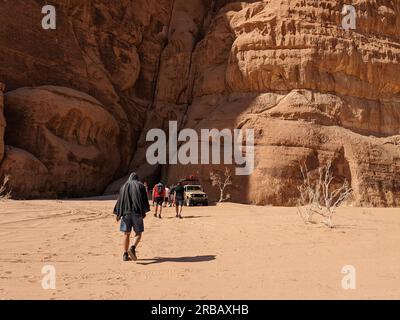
pixel 160 188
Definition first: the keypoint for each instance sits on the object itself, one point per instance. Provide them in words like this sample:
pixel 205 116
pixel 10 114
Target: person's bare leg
pixel 180 211
pixel 136 239
pixel 127 236
pixel 132 250
pixel 159 215
pixel 155 212
pixel 177 210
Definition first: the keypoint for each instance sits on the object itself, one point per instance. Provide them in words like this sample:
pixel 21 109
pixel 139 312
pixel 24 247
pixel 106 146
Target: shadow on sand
pixel 189 217
pixel 180 259
pixel 195 217
pixel 352 227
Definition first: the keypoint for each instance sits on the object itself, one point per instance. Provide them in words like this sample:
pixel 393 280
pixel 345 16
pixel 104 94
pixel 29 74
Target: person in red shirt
pixel 158 195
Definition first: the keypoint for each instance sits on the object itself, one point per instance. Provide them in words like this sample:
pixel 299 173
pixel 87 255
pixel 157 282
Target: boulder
pixel 27 176
pixel 69 132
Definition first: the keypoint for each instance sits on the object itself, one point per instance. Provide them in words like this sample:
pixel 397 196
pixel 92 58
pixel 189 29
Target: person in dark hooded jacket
pixel 131 207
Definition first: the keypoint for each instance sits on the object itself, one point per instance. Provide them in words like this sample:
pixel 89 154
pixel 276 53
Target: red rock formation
pixel 312 91
pixel 67 136
pixel 100 48
pixel 29 177
pixel 2 123
pixel 107 50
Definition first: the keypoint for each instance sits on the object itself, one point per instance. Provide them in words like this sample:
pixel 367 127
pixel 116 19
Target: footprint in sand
pixel 64 236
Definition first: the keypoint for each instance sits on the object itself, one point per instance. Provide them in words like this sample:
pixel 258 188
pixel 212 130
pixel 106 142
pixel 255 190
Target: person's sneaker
pixel 125 257
pixel 132 253
pixel 180 217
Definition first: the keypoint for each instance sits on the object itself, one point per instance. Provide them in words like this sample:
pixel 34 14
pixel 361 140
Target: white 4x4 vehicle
pixel 195 195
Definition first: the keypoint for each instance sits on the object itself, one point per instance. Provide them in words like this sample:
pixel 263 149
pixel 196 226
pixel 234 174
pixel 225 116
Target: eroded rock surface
pixel 28 176
pixel 311 90
pixel 108 50
pixel 2 122
pixel 68 132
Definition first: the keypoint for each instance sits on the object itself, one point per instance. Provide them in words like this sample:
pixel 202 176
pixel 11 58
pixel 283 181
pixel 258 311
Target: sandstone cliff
pixel 311 90
pixel 108 51
pixel 2 122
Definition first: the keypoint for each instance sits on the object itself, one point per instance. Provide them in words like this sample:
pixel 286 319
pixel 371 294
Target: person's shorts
pixel 159 200
pixel 179 202
pixel 132 221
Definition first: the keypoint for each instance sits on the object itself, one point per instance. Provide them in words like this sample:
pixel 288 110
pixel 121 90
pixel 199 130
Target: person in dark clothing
pixel 171 196
pixel 131 208
pixel 179 197
pixel 147 188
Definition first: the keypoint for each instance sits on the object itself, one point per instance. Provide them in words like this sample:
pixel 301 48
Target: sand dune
pixel 228 251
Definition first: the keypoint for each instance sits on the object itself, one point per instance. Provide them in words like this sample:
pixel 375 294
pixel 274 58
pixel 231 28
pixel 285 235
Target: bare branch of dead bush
pixel 222 181
pixel 320 196
pixel 5 192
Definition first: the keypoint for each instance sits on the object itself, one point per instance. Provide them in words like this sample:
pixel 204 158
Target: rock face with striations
pixel 68 132
pixel 311 90
pixel 107 50
pixel 2 122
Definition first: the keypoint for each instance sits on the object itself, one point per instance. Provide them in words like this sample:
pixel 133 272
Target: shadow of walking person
pixel 155 260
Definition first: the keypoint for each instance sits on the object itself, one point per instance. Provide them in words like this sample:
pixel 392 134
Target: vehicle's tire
pixel 206 204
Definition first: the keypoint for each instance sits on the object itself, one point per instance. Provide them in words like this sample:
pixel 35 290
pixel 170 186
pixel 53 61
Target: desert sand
pixel 229 251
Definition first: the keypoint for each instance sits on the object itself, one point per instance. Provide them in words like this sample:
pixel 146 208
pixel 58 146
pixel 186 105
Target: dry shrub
pixel 222 181
pixel 320 196
pixel 5 192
